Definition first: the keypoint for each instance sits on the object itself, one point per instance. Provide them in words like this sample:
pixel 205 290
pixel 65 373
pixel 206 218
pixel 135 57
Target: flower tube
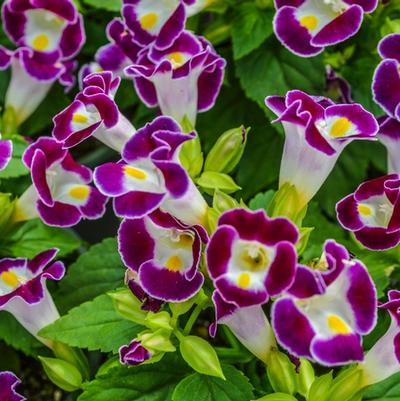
pixel 23 291
pixel 305 27
pixel 150 176
pixel 251 257
pixel 6 148
pixel 165 255
pixel 182 80
pixel 316 132
pixel 324 314
pixel 94 112
pixel 372 212
pixel 60 195
pixel 8 384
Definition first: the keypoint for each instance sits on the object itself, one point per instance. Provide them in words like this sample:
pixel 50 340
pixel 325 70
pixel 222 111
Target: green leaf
pixel 273 70
pixel 155 382
pixel 262 200
pixel 388 390
pixel 251 26
pixel 33 237
pixel 95 272
pixel 94 325
pixel 236 387
pixel 109 5
pixel 15 167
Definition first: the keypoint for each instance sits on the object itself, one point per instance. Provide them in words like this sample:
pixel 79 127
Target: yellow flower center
pixel 148 21
pixel 79 118
pixel 10 278
pixel 340 127
pixel 41 42
pixel 338 325
pixel 365 210
pixel 255 260
pixel 244 280
pixel 80 192
pixel 310 22
pixel 174 263
pixel 177 59
pixel 134 172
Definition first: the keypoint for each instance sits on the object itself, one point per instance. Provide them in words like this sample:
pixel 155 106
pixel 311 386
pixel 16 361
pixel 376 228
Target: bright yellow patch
pixel 365 210
pixel 11 279
pixel 79 118
pixel 80 192
pixel 134 172
pixel 337 325
pixel 174 263
pixel 177 59
pixel 310 22
pixel 244 280
pixel 41 42
pixel 340 127
pixel 148 21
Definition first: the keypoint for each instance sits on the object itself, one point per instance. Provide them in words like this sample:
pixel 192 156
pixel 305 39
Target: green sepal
pixel 210 181
pixel 305 377
pixel 320 388
pixel 281 372
pixel 128 306
pixel 277 397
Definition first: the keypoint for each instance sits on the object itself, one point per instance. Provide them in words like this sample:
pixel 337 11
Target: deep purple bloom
pixel 383 359
pixel 325 313
pixel 317 131
pixel 251 257
pixel 133 354
pixel 23 290
pixel 150 176
pixel 6 148
pixel 305 27
pixel 94 112
pixel 372 212
pixel 165 254
pixel 155 22
pixel 8 384
pixel 182 80
pixel 60 195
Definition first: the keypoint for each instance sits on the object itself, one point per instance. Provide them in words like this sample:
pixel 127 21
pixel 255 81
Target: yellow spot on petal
pixel 177 59
pixel 11 279
pixel 80 192
pixel 340 127
pixel 338 325
pixel 244 280
pixel 174 263
pixel 134 172
pixel 41 42
pixel 365 210
pixel 79 118
pixel 310 22
pixel 148 21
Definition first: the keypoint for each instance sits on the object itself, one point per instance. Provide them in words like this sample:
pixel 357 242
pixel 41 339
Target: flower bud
pixel 180 308
pixel 128 306
pixel 7 209
pixel 305 233
pixel 9 123
pixel 62 373
pixel 223 202
pixel 319 390
pixel 281 372
pixel 211 181
pixel 160 320
pixel 201 356
pixel 157 342
pixel 346 385
pixel 305 377
pixel 277 397
pixel 226 153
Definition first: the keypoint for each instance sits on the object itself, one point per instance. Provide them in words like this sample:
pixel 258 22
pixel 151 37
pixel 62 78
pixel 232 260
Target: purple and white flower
pixel 134 353
pixel 251 257
pixel 316 132
pixel 182 80
pixel 150 176
pixel 23 290
pixel 155 22
pixel 324 314
pixel 94 112
pixel 60 195
pixel 8 384
pixel 305 27
pixel 383 359
pixel 6 148
pixel 197 6
pixel 372 212
pixel 250 325
pixel 165 254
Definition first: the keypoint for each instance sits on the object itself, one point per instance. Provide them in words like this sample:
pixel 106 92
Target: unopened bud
pixel 277 397
pixel 281 372
pixel 305 377
pixel 159 341
pixel 7 209
pixel 75 356
pixel 346 385
pixel 160 320
pixel 211 181
pixel 128 306
pixel 320 388
pixel 223 202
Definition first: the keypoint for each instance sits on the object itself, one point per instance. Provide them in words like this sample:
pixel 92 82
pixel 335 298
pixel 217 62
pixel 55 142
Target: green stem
pixel 193 317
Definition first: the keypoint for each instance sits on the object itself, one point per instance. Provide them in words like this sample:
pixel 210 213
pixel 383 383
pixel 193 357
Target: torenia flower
pixel 324 314
pixel 134 353
pixel 150 176
pixel 8 384
pixel 372 212
pixel 250 325
pixel 165 254
pixel 60 195
pixel 383 359
pixel 23 291
pixel 197 6
pixel 94 112
pixel 305 27
pixel 5 153
pixel 182 80
pixel 252 257
pixel 316 131
pixel 158 22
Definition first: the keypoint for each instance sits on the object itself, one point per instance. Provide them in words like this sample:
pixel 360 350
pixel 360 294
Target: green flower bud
pixel 281 372
pixel 212 219
pixel 160 320
pixel 180 308
pixel 210 181
pixel 305 377
pixel 277 397
pixel 200 356
pixel 320 388
pixel 223 202
pixel 74 356
pixel 7 209
pixel 62 373
pixel 346 385
pixel 305 233
pixel 157 342
pixel 226 153
pixel 9 123
pixel 128 306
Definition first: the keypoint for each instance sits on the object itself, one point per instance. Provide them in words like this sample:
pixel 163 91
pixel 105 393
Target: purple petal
pixel 137 204
pixel 133 354
pixel 347 213
pixel 175 176
pixel 73 38
pixel 109 179
pixel 95 206
pixel 307 283
pixel 59 215
pixel 49 146
pixel 39 177
pixel 8 384
pixel 6 148
pixel 377 239
pixel 389 46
